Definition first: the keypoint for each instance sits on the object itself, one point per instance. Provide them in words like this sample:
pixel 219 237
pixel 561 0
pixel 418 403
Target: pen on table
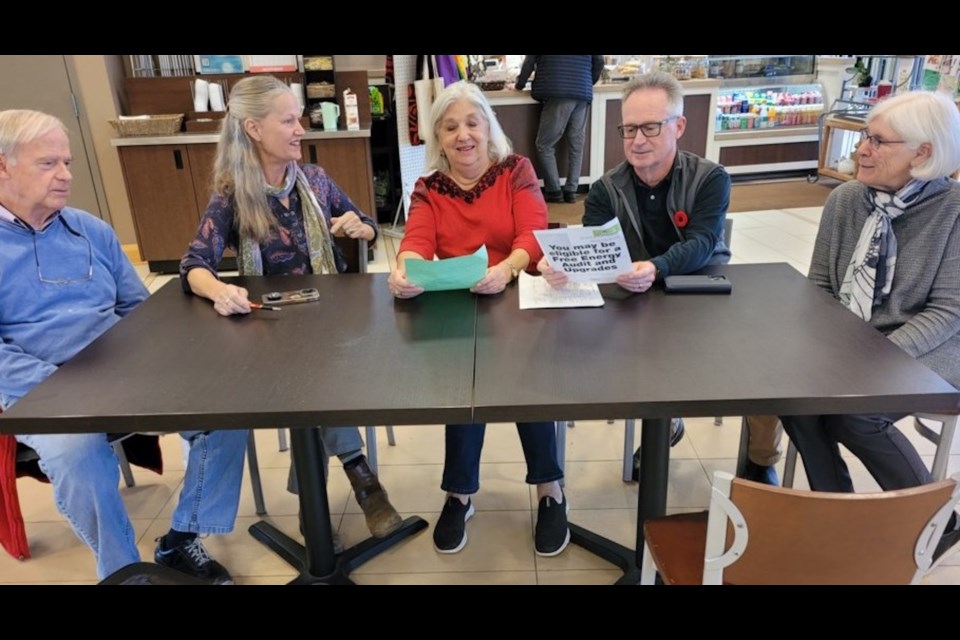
pixel 263 307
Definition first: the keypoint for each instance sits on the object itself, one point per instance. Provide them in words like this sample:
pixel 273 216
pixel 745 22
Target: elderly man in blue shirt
pixel 64 281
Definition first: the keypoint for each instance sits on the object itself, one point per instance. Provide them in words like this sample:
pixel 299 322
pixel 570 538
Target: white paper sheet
pixel 587 254
pixel 536 293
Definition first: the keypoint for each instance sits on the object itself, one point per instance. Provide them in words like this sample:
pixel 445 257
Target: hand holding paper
pixel 587 254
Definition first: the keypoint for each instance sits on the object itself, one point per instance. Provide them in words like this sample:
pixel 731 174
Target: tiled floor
pixel 500 548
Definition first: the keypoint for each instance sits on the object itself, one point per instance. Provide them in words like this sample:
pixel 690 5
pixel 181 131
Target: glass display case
pixel 769 107
pixel 755 70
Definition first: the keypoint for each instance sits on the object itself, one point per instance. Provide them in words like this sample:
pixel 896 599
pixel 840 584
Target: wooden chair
pixel 758 534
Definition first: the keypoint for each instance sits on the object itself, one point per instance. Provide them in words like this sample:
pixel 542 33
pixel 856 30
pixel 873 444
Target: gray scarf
pixel 869 276
pixel 319 242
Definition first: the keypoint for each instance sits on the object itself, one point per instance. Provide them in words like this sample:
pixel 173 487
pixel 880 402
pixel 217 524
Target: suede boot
pixel 382 518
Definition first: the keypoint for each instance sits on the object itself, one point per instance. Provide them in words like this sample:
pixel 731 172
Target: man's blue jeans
pixel 464 442
pixel 85 475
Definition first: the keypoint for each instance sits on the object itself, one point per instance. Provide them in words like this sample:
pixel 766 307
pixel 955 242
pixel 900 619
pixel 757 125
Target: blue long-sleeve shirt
pixel 60 289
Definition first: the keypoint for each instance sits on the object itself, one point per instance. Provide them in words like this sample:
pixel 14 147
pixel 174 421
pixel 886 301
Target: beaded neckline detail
pixel 447 186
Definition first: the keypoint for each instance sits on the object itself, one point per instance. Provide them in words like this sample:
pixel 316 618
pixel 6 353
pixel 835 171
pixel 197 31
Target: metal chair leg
pixel 391 440
pixel 943 439
pixel 629 427
pixel 744 448
pixel 124 464
pixel 254 468
pixel 282 436
pixel 370 434
pixel 789 466
pixel 560 428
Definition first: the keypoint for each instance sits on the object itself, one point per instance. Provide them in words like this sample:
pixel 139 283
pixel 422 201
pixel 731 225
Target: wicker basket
pixel 494 85
pixel 158 125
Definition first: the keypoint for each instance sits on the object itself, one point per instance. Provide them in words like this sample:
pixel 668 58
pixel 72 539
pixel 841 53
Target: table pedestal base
pixel 651 502
pixel 624 558
pixel 295 555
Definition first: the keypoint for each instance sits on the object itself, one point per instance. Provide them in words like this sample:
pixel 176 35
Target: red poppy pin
pixel 680 219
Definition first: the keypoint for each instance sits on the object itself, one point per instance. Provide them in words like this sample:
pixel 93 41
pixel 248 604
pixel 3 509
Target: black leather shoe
pixel 948 543
pixel 553 196
pixel 677 431
pixel 761 474
pixel 382 518
pixel 569 196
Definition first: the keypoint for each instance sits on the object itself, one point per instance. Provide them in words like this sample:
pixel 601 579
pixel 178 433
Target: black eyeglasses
pixel 648 129
pixel 63 281
pixel 874 141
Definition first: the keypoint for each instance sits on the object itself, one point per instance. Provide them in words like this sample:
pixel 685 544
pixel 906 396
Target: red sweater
pixel 501 211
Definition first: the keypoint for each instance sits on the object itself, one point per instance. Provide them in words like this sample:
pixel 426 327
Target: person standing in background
pixel 564 84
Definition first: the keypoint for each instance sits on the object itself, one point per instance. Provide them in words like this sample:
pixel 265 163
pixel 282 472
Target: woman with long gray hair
pixel 280 217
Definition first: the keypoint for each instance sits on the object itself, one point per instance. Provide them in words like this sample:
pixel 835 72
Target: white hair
pixel 919 117
pixel 499 146
pixel 23 126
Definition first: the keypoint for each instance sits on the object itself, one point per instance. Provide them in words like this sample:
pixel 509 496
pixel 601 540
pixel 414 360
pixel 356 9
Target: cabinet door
pixel 201 168
pixel 347 161
pixel 162 199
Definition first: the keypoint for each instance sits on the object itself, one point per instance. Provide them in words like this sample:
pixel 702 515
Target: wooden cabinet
pixel 201 168
pixel 169 186
pixel 347 161
pixel 160 186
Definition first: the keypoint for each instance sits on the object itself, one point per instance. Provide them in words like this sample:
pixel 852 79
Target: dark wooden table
pixel 352 358
pixel 776 345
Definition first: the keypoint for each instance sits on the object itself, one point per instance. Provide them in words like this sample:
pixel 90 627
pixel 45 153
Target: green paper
pixel 452 273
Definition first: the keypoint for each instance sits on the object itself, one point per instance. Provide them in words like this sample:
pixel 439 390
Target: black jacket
pixel 570 77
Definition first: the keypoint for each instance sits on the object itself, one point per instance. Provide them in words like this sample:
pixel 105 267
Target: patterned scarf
pixel 319 242
pixel 869 275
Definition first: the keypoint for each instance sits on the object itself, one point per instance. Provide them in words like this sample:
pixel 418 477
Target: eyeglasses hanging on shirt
pixel 60 270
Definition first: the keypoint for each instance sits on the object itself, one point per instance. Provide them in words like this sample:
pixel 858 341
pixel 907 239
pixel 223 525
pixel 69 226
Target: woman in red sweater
pixel 481 193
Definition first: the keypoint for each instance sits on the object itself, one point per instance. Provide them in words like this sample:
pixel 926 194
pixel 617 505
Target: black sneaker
pixel 192 558
pixel 450 532
pixel 553 534
pixel 677 431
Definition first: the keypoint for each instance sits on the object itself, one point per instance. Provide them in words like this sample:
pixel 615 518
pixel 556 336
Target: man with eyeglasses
pixel 671 203
pixel 64 281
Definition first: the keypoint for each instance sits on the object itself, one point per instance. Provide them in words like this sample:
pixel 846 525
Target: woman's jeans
pixel 461 466
pixel 85 474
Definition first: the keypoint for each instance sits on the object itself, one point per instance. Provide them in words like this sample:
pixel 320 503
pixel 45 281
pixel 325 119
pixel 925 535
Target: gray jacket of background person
pixel 570 77
pixel 689 173
pixel 922 313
